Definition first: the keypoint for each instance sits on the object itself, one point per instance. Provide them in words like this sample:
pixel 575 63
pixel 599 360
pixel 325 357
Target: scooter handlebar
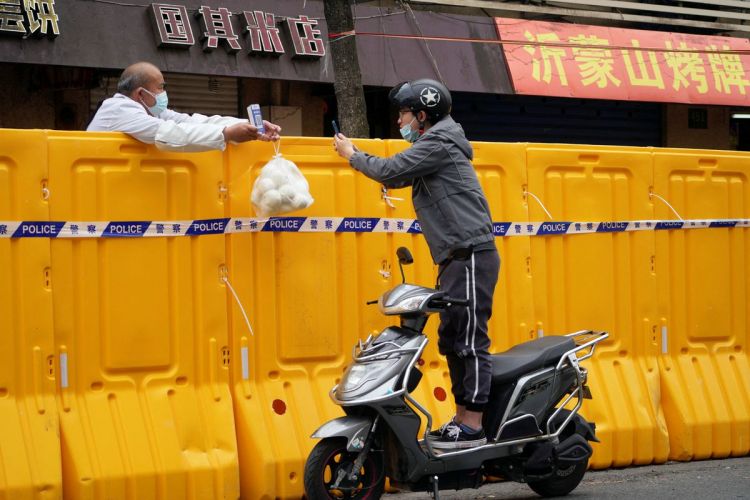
pixel 446 302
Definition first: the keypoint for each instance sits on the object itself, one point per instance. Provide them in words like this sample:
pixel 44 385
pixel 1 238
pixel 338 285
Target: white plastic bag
pixel 280 188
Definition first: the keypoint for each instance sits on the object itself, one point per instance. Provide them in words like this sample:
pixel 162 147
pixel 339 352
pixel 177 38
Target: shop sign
pixel 28 18
pixel 596 62
pixel 259 29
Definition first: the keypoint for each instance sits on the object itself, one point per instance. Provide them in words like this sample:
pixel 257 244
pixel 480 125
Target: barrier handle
pixel 63 371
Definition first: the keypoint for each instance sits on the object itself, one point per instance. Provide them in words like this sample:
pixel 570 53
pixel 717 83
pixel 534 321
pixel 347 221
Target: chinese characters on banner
pixel 28 17
pixel 258 28
pixel 595 62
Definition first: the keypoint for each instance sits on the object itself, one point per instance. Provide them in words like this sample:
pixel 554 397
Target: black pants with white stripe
pixel 462 335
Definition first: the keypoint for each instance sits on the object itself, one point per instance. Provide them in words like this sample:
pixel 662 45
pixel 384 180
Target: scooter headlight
pixel 410 304
pixel 358 373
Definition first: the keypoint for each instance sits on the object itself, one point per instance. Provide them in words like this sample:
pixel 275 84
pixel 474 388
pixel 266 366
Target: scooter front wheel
pixel 562 482
pixel 329 460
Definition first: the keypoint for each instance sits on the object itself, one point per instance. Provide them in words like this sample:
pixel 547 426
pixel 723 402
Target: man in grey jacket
pixel 455 219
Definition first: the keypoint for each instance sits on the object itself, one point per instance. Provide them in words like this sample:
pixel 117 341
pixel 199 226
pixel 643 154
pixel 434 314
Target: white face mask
pixel 161 103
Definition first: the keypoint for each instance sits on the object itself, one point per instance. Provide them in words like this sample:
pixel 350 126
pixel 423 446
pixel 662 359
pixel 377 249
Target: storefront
pixel 602 81
pixel 598 85
pixel 60 59
pixel 549 82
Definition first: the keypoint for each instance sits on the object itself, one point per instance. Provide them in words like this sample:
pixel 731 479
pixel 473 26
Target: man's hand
pixel 243 132
pixel 343 146
pixel 272 132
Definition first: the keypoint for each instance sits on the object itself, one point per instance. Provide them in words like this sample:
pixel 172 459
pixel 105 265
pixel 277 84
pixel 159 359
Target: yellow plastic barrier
pixel 141 324
pixel 162 392
pixel 704 283
pixel 552 285
pixel 305 294
pixel 29 430
pixel 602 282
pixel 317 309
pixel 502 173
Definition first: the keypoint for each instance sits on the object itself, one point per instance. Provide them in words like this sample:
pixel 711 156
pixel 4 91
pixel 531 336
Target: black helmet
pixel 425 95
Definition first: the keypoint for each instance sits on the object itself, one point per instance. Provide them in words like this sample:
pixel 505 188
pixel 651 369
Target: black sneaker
pixel 438 433
pixel 458 437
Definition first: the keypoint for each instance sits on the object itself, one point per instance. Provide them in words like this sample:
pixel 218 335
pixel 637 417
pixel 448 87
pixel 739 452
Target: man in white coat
pixel 139 108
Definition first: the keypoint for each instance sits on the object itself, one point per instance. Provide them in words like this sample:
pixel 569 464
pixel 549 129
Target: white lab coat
pixel 170 131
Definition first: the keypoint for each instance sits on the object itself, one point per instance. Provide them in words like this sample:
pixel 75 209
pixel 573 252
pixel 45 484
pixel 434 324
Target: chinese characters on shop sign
pixel 258 28
pixel 261 34
pixel 570 60
pixel 28 17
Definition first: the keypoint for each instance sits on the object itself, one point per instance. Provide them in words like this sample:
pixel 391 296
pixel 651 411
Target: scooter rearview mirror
pixel 404 257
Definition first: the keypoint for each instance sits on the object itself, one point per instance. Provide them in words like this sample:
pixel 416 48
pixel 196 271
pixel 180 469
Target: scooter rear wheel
pixel 322 469
pixel 562 482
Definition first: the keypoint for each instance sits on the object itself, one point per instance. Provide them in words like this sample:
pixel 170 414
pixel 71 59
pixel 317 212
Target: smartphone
pixel 335 127
pixel 253 113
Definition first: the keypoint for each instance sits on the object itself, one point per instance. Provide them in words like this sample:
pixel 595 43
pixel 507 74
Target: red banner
pixel 571 60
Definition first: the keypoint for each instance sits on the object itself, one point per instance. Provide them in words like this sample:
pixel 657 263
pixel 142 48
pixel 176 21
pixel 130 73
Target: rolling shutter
pixel 208 95
pixel 488 117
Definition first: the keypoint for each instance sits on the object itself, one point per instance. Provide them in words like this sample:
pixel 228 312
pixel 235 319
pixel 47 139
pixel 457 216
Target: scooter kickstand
pixel 435 488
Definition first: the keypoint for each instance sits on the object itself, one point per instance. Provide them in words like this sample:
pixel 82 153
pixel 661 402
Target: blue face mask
pixel 407 133
pixel 161 103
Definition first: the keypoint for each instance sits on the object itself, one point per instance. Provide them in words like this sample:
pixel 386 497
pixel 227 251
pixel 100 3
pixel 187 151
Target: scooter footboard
pixel 353 429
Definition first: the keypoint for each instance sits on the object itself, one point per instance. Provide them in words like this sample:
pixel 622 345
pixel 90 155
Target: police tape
pixel 138 229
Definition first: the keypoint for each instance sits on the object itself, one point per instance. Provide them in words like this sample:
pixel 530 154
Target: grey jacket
pixel 449 202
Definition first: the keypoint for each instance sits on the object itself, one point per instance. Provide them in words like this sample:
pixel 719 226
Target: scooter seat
pixel 523 358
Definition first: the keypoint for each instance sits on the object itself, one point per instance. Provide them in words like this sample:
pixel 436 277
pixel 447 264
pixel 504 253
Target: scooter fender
pixel 585 429
pixel 581 426
pixel 573 450
pixel 354 429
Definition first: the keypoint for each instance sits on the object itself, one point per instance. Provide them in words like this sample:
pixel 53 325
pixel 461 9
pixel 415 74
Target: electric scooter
pixel 534 432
